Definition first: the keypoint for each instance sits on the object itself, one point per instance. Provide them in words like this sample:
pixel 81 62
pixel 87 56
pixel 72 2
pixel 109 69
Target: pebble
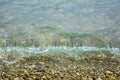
pixel 45 68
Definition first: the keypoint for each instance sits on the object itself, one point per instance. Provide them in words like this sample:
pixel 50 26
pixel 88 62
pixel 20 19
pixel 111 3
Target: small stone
pixel 47 66
pixel 109 72
pixel 16 78
pixel 99 79
pixel 40 70
pixel 32 66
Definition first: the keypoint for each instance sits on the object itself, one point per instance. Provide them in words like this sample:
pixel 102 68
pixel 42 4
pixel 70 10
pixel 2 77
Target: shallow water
pixel 51 49
pixel 38 63
pixel 13 54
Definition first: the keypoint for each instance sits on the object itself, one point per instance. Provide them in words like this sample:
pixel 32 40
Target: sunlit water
pixel 13 54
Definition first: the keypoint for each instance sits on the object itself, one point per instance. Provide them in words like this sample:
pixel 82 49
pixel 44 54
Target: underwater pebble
pixel 47 68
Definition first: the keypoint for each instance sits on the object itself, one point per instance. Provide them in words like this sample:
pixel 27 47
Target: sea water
pixel 16 53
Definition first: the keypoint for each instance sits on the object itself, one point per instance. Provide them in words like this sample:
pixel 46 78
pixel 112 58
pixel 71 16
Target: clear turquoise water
pixel 51 49
pixel 13 54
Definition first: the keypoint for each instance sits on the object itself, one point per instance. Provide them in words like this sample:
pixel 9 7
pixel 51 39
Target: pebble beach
pixel 61 66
